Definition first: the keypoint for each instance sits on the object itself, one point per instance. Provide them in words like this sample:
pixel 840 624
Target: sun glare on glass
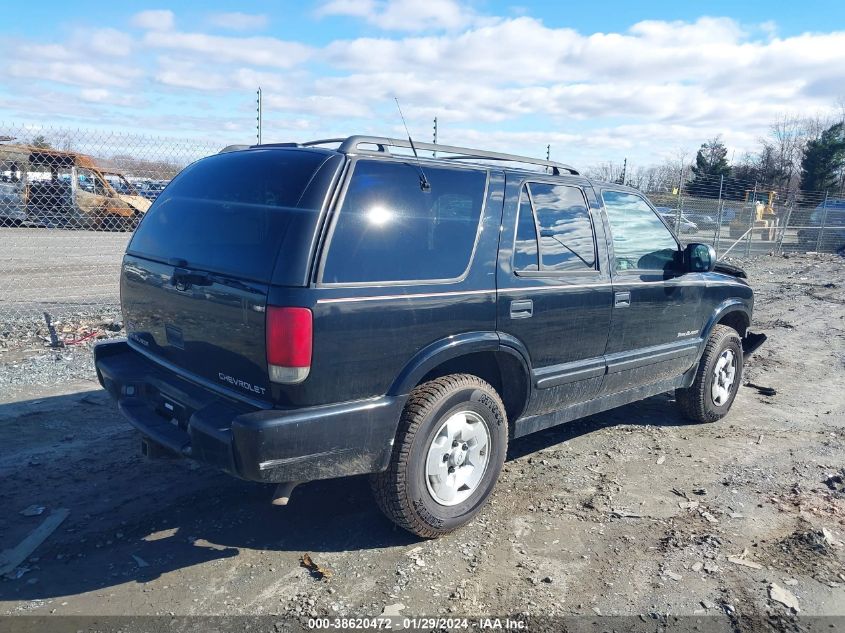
pixel 379 215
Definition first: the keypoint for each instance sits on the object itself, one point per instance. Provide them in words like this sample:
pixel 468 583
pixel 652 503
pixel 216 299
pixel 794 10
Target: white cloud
pixel 154 20
pixel 44 51
pixel 190 73
pixel 260 51
pixel 404 15
pixel 705 30
pixel 178 73
pixel 280 92
pixel 108 97
pixel 639 92
pixel 669 71
pixel 351 8
pixel 524 50
pixel 77 73
pixel 107 41
pixel 238 21
pixel 328 105
pixel 94 94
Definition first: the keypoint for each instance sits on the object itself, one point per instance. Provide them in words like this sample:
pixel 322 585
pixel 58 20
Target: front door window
pixel 640 240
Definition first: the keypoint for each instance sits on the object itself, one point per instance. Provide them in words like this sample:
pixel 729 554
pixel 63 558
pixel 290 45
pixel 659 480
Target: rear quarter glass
pixel 229 213
pixel 390 230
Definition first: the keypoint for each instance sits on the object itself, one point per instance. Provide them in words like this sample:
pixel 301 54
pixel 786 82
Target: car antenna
pixel 424 184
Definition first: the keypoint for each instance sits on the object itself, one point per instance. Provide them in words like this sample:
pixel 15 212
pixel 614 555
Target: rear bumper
pixel 271 445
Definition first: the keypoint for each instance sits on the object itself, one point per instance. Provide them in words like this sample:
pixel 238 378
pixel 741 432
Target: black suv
pixel 306 311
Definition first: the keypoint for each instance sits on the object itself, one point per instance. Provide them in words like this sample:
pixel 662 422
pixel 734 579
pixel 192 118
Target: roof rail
pixel 350 145
pixel 233 148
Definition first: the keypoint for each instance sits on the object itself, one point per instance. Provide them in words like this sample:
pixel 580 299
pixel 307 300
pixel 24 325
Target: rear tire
pixel 717 378
pixel 448 453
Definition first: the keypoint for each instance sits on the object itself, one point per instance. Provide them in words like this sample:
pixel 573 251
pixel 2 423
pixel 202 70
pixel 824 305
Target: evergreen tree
pixel 823 159
pixel 711 163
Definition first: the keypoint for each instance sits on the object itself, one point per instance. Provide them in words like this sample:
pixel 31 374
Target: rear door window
pixel 526 253
pixel 228 213
pixel 559 217
pixel 389 230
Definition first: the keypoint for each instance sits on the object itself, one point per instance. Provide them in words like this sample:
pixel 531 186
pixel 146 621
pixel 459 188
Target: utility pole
pixel 548 156
pixel 258 116
pixel 678 211
pixel 435 135
pixel 824 223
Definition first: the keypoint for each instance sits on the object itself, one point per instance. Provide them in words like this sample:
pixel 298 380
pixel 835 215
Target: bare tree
pixel 781 155
pixel 142 168
pixel 607 171
pixel 642 178
pixel 777 162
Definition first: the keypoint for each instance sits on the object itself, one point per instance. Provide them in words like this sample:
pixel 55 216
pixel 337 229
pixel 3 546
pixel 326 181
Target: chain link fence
pixel 743 218
pixel 69 200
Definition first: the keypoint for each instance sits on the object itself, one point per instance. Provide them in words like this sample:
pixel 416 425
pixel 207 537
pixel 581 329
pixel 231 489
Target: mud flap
pixel 751 343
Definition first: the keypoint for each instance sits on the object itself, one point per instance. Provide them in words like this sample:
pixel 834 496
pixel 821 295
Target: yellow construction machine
pixel 758 212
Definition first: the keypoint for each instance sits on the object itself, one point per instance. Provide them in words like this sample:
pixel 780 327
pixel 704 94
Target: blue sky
pixel 599 81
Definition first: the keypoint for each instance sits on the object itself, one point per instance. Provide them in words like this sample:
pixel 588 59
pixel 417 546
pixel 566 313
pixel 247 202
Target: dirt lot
pixel 629 512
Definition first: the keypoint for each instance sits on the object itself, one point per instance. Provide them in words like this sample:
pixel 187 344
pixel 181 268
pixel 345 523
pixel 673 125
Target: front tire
pixel 717 378
pixel 448 453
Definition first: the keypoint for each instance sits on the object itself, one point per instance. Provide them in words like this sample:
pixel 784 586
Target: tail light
pixel 289 339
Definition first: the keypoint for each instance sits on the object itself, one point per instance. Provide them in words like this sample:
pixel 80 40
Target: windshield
pixel 120 184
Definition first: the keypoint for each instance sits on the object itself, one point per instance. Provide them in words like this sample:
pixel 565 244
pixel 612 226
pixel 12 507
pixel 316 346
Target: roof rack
pixel 351 145
pixel 233 148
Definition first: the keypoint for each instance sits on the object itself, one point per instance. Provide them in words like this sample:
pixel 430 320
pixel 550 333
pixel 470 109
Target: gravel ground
pixel 630 512
pixel 34 355
pixel 57 271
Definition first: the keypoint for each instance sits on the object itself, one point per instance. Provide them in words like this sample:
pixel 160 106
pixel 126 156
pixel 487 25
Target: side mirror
pixel 699 258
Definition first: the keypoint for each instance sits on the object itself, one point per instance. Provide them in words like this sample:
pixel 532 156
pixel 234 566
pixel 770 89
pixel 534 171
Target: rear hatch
pixel 197 272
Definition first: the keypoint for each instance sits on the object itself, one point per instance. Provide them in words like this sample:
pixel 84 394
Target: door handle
pixel 522 309
pixel 622 300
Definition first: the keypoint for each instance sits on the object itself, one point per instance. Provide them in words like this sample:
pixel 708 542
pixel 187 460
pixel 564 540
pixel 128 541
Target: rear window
pixel 228 213
pixel 390 230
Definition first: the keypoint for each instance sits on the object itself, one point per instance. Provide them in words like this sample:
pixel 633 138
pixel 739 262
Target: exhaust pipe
pixel 283 492
pixel 154 450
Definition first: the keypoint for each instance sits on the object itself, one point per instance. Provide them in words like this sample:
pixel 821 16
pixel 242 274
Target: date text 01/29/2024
pixel 421 623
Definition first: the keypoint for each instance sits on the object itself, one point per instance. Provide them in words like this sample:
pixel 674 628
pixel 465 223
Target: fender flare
pixel 512 345
pixel 726 307
pixel 448 348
